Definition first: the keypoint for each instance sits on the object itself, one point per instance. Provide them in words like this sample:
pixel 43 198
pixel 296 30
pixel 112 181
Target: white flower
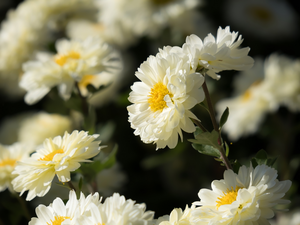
pixel 260 90
pixel 116 210
pixel 249 197
pixel 25 30
pixel 90 61
pixel 33 127
pixel 164 97
pixel 9 155
pixel 218 54
pixel 58 156
pixel 40 126
pixel 122 22
pixel 178 217
pixel 60 213
pixel 267 19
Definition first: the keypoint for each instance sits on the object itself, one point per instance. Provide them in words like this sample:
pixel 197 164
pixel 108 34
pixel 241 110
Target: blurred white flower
pixel 218 54
pixel 163 99
pixel 58 156
pixel 9 155
pixel 260 90
pixel 40 126
pixel 290 218
pixel 87 62
pixel 249 197
pixel 116 210
pixel 25 31
pixel 122 22
pixel 33 127
pixel 268 19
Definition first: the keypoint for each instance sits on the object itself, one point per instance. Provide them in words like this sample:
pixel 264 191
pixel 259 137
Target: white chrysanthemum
pixel 9 155
pixel 260 90
pixel 177 217
pixel 25 31
pixel 116 210
pixel 218 54
pixel 249 197
pixel 40 126
pixel 122 22
pixel 164 97
pixel 58 156
pixel 33 127
pixel 267 19
pixel 60 213
pixel 90 61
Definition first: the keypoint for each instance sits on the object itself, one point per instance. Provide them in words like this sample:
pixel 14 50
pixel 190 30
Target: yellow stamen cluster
pixel 247 94
pixel 8 162
pixel 228 197
pixel 62 59
pixel 50 156
pixel 156 97
pixel 58 220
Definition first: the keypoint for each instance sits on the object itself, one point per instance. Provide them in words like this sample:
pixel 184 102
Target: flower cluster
pixel 89 210
pixel 171 85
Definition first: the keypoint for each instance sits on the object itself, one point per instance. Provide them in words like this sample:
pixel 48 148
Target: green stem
pixel 199 124
pixel 215 125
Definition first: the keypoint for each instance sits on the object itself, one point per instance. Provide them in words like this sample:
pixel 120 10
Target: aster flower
pixel 218 54
pixel 9 155
pixel 60 213
pixel 90 61
pixel 58 156
pixel 163 99
pixel 26 30
pixel 263 89
pixel 249 197
pixel 116 210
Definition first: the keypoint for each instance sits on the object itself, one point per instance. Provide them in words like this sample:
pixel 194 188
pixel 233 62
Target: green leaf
pixel 207 150
pixel 226 149
pixel 261 158
pixel 80 184
pixel 224 117
pixel 206 138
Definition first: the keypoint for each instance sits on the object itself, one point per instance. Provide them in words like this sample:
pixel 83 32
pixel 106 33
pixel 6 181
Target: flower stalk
pixel 216 127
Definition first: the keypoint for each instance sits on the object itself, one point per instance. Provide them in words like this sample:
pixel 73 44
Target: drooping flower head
pixel 215 54
pixel 58 156
pixel 9 155
pixel 248 197
pixel 163 98
pixel 87 62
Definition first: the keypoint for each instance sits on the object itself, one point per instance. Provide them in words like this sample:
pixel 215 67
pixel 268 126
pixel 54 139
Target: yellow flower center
pixel 62 59
pixel 156 97
pixel 247 94
pixel 86 80
pixel 260 13
pixel 58 220
pixel 50 156
pixel 8 162
pixel 228 197
pixel 161 2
